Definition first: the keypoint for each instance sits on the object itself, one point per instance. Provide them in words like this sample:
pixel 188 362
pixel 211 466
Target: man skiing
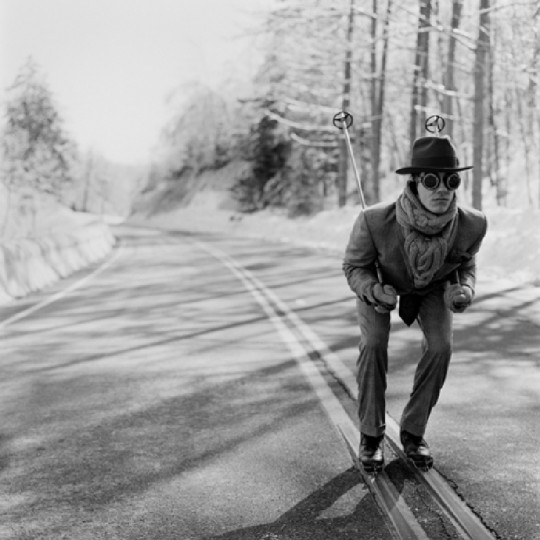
pixel 424 245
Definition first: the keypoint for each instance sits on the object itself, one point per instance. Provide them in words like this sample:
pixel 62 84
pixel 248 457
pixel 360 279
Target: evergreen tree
pixel 305 193
pixel 37 153
pixel 267 182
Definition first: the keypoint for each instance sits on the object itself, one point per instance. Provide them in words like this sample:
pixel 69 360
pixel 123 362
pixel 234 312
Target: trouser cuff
pixel 373 431
pixel 414 429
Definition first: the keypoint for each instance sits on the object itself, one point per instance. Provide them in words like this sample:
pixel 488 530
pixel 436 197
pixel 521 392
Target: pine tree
pixel 267 183
pixel 37 153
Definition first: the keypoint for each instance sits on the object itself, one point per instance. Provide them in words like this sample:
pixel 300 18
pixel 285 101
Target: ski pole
pixel 343 120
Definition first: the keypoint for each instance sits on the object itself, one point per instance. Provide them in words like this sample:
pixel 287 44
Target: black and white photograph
pixel 269 270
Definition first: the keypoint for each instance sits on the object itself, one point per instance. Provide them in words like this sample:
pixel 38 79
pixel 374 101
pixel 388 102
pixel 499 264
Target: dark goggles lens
pixel 452 181
pixel 432 181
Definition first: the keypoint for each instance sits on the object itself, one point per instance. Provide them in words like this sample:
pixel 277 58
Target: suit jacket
pixel 377 235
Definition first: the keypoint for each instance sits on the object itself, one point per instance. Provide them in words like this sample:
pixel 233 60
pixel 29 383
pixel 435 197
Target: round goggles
pixel 432 180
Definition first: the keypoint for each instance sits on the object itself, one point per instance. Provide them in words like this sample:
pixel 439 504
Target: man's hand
pixel 385 298
pixel 457 297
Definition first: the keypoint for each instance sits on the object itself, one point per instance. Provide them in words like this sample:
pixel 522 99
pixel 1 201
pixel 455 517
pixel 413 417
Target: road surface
pixel 158 395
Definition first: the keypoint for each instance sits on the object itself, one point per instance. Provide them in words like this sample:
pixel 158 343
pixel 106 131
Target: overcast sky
pixel 111 63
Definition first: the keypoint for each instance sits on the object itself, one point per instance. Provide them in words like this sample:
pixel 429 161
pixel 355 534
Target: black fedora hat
pixel 433 154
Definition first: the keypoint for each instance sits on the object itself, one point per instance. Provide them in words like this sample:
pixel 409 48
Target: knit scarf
pixel 427 235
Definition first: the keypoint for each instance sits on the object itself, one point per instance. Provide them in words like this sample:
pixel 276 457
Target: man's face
pixel 438 199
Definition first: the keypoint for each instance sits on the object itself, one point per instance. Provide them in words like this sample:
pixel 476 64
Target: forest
pixel 391 65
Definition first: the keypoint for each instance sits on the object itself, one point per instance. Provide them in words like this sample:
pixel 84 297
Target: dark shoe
pixel 416 449
pixel 371 453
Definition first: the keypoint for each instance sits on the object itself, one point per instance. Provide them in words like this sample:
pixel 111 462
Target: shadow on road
pixel 304 521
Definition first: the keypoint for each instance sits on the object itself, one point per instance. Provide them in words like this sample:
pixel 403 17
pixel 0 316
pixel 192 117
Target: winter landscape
pixel 181 356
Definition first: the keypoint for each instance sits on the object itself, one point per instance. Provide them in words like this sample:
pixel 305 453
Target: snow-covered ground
pixel 510 252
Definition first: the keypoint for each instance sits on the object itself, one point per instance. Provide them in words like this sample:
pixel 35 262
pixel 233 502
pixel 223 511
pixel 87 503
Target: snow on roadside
pixel 39 249
pixel 511 249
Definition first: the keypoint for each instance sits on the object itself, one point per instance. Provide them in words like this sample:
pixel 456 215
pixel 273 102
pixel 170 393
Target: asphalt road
pixel 157 400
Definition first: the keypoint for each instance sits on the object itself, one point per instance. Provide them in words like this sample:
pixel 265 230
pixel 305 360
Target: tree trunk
pixel 378 86
pixel 346 100
pixel 420 71
pixel 481 56
pixel 508 127
pixel 425 66
pixel 372 195
pixel 457 6
pixel 88 174
pixel 534 117
pixel 526 143
pixel 495 158
pixel 440 65
pixel 7 212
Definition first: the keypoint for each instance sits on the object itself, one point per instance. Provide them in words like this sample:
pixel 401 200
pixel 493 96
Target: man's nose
pixel 442 186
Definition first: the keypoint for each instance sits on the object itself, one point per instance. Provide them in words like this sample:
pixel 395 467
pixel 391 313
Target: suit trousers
pixel 435 321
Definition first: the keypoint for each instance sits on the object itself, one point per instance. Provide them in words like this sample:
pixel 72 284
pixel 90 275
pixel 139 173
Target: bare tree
pixel 420 70
pixel 377 90
pixel 345 104
pixel 480 69
pixel 323 56
pixel 450 83
pixel 496 178
pixel 534 117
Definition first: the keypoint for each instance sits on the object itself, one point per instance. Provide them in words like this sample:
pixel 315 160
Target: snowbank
pixel 66 243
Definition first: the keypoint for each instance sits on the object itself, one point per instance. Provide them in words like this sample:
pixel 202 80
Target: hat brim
pixel 412 170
